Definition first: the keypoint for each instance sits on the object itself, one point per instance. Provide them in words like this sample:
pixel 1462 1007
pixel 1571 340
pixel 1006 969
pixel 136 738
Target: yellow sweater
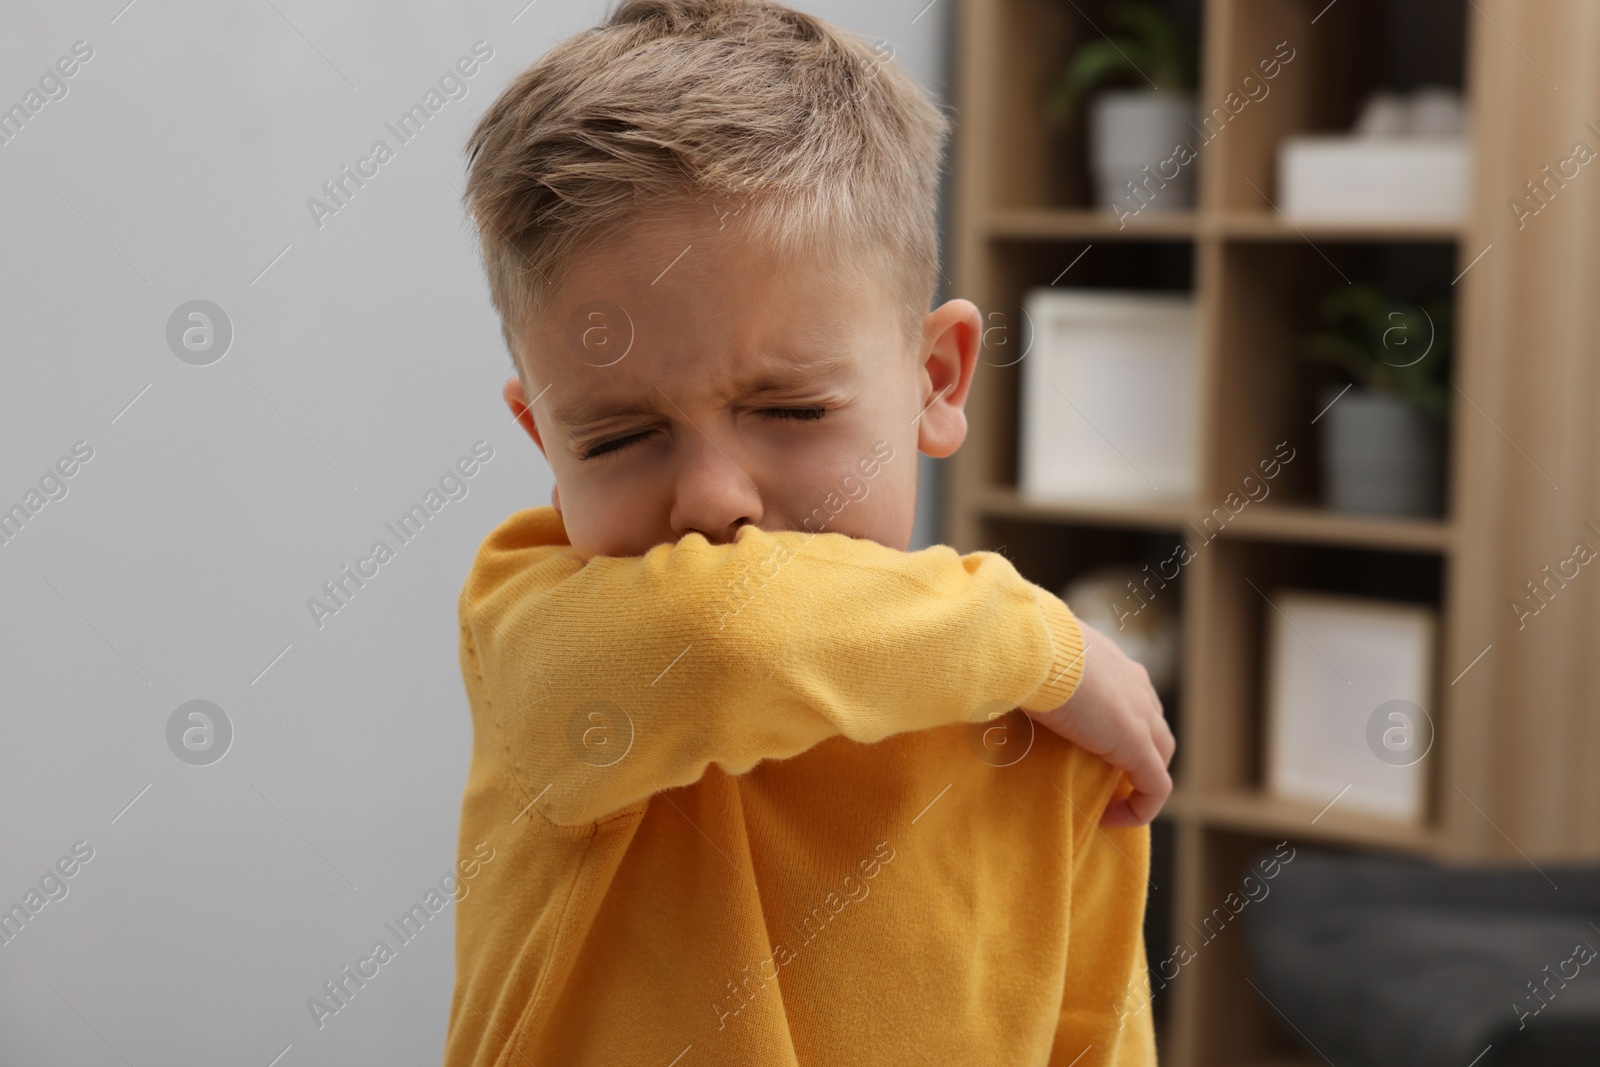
pixel 751 804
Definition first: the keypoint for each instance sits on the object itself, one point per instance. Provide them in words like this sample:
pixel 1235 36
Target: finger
pixel 1136 809
pixel 1166 743
pixel 1123 812
pixel 1160 729
pixel 1118 814
pixel 1148 775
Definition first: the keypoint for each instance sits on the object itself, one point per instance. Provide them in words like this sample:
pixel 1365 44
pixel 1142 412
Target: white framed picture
pixel 1109 406
pixel 1349 702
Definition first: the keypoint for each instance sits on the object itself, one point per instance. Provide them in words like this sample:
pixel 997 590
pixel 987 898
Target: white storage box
pixel 1109 408
pixel 1348 682
pixel 1409 178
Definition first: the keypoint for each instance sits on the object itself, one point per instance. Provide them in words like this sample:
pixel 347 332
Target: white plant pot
pixel 1131 129
pixel 1381 456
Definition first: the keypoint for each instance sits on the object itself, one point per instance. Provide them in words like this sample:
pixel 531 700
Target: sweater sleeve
pixel 612 679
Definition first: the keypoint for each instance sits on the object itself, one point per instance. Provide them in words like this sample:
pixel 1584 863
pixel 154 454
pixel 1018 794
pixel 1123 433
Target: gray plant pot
pixel 1381 455
pixel 1130 129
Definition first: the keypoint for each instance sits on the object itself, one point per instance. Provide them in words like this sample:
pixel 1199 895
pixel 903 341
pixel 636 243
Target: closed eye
pixel 798 414
pixel 606 448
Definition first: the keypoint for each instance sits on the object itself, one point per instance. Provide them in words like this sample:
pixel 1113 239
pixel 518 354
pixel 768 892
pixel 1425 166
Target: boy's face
pixel 690 367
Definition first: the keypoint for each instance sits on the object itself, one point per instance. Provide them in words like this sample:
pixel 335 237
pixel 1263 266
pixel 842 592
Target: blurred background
pixel 1288 384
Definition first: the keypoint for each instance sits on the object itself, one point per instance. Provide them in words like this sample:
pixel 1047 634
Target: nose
pixel 713 494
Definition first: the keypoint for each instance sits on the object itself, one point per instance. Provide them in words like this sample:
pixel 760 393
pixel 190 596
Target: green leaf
pixel 1152 49
pixel 1095 63
pixel 1387 346
pixel 1168 51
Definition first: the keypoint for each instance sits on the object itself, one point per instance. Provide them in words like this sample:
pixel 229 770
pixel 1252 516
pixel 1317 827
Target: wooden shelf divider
pixel 1078 224
pixel 1268 522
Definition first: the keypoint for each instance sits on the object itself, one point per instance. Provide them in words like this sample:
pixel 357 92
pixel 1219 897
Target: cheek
pixel 610 516
pixel 835 488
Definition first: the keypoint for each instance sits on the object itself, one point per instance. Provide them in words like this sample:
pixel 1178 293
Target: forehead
pixel 681 297
pixel 693 265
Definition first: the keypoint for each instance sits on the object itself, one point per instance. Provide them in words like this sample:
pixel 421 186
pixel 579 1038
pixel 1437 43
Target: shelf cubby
pixel 1242 579
pixel 1267 396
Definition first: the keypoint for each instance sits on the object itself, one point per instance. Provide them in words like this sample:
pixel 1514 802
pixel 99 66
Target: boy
pixel 764 787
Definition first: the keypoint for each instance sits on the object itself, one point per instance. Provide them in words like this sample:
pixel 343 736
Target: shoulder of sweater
pixel 528 528
pixel 525 539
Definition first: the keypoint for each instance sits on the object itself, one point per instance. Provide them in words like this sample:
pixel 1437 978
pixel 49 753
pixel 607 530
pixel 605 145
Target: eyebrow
pixel 585 410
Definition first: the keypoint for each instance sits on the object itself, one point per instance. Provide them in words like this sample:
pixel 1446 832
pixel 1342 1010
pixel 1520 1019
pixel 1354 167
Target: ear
pixel 951 335
pixel 517 401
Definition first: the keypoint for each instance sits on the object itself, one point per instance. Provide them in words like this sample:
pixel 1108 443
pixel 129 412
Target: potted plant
pixel 1383 439
pixel 1143 81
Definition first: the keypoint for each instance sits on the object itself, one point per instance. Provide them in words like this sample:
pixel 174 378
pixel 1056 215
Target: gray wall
pixel 216 499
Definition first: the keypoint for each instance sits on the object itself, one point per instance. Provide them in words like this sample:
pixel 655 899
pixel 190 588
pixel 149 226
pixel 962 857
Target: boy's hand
pixel 1116 714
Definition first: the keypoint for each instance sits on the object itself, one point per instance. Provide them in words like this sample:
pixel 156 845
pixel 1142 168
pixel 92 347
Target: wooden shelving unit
pixel 1046 224
pixel 1022 217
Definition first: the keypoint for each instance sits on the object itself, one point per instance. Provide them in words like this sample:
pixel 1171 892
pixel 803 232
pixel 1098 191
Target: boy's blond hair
pixel 774 121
